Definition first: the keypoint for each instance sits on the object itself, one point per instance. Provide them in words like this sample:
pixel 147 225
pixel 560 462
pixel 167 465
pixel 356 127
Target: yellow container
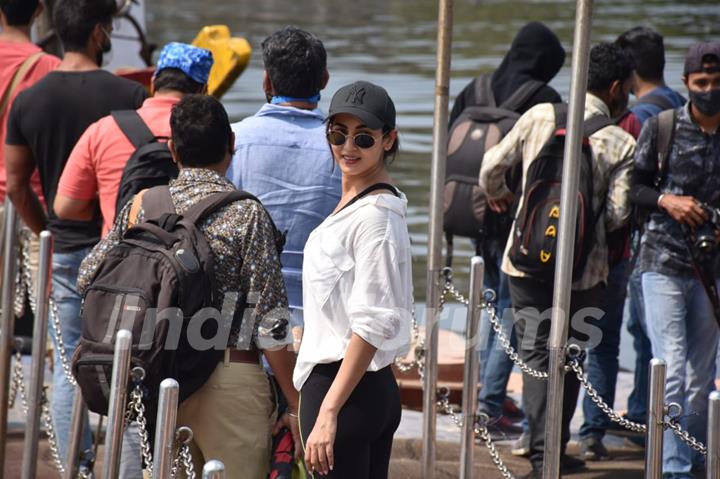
pixel 231 55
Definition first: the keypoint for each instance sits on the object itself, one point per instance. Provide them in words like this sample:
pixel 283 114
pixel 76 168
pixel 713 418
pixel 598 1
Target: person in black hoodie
pixel 535 54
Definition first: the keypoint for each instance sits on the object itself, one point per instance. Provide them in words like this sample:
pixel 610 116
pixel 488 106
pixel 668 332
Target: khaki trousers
pixel 232 417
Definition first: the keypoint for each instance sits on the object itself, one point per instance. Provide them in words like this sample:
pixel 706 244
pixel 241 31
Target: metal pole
pixel 213 470
pixel 77 423
pixel 472 366
pixel 712 461
pixel 8 318
pixel 165 431
pixel 116 408
pixel 566 239
pixel 656 416
pixel 39 345
pixel 439 152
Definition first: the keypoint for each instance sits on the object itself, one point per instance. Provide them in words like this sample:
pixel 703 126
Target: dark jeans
pixel 495 365
pixel 637 327
pixel 602 360
pixel 532 302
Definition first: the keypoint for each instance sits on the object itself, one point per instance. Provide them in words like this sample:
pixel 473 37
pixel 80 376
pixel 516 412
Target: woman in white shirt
pixel 357 295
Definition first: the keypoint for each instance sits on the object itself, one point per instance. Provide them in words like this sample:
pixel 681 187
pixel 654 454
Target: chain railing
pixel 183 437
pixel 574 364
pixel 27 281
pixel 136 412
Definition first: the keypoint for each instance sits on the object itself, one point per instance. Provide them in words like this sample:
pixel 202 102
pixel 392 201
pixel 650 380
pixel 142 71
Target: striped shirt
pixel 613 151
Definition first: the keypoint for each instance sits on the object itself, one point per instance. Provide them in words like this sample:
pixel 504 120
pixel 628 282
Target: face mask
pixel 104 48
pixel 707 102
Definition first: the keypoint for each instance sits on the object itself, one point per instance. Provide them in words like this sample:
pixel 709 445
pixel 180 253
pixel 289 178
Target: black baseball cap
pixel 367 101
pixel 696 53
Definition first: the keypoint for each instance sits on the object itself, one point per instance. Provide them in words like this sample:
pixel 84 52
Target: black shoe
pixel 617 430
pixel 593 449
pixel 521 447
pixel 570 464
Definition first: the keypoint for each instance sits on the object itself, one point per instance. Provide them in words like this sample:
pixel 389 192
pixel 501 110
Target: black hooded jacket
pixel 535 53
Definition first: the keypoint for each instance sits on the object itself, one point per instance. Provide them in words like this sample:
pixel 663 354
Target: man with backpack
pixel 100 165
pixel 647 50
pixel 225 395
pixel 45 122
pixel 537 142
pixel 677 171
pixel 493 102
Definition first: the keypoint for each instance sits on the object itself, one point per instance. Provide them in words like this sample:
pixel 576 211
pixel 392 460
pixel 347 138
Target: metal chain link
pixel 54 317
pixel 46 418
pixel 136 409
pixel 481 432
pixel 507 347
pixel 685 436
pixel 17 383
pixel 186 459
pixel 600 403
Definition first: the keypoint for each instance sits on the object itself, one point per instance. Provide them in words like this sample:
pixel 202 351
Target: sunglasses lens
pixel 335 138
pixel 364 140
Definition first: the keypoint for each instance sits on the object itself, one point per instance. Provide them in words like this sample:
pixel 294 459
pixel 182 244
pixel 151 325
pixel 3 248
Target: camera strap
pixel 706 277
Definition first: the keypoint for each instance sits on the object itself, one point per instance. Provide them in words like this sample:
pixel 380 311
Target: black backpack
pixel 478 128
pixel 150 165
pixel 152 282
pixel 534 241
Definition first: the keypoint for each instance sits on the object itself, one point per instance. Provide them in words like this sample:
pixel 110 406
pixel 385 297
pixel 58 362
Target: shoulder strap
pixel 654 99
pixel 484 95
pixel 370 189
pixel 214 202
pixel 19 75
pixel 596 123
pixel 561 111
pixel 157 201
pixel 665 128
pixel 522 95
pixel 134 127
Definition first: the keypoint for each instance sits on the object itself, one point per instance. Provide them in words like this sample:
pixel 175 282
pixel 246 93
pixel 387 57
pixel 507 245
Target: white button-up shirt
pixel 357 278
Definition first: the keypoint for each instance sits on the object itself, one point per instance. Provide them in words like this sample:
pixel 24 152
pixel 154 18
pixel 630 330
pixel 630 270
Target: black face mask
pixel 707 102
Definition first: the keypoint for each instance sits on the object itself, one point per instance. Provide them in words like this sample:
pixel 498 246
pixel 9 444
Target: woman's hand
pixel 319 447
pixel 289 420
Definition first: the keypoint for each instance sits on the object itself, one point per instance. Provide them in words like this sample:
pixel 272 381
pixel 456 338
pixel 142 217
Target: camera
pixel 705 240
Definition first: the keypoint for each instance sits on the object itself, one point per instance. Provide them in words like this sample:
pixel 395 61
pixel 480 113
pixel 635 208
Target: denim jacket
pixel 283 158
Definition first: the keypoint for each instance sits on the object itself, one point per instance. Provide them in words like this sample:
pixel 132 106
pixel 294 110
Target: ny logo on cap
pixel 356 95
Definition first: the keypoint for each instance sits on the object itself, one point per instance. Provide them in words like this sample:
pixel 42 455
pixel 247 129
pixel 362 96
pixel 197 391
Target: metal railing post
pixel 566 239
pixel 165 429
pixel 712 461
pixel 116 407
pixel 472 366
pixel 77 424
pixel 39 346
pixel 213 469
pixel 434 266
pixel 655 420
pixel 7 322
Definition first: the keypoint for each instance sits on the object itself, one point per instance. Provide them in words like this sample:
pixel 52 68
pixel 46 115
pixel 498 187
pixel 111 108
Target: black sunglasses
pixel 362 140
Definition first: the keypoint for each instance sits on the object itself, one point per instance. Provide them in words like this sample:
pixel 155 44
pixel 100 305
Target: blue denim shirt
pixel 693 169
pixel 283 158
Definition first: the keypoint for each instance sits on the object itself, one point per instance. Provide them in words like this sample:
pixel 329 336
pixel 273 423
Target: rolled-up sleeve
pixel 501 157
pixel 378 307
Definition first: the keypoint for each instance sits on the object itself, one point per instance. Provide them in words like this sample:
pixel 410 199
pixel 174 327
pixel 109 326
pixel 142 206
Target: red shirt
pixel 13 54
pixel 94 168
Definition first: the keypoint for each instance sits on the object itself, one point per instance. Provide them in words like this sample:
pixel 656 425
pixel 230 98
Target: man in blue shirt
pixel 282 156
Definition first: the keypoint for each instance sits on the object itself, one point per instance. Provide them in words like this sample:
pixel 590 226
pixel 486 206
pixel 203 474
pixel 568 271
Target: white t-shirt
pixel 357 278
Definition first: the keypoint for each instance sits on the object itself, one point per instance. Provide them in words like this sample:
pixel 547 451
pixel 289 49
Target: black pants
pixel 366 423
pixel 532 303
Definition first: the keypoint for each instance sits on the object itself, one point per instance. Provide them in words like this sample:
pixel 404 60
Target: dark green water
pixel 392 43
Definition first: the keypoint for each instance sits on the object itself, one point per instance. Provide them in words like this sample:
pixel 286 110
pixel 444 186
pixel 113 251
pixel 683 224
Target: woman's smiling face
pixel 352 159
